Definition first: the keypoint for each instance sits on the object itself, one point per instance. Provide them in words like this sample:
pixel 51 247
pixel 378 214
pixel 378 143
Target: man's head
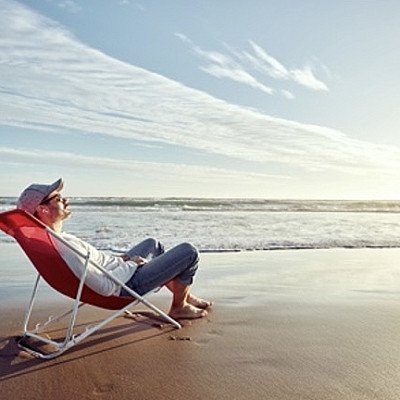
pixel 45 202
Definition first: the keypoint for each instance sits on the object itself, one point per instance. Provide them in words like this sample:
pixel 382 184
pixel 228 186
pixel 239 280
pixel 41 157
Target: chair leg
pixel 40 326
pixel 71 341
pixel 30 306
pixel 51 320
pixel 74 314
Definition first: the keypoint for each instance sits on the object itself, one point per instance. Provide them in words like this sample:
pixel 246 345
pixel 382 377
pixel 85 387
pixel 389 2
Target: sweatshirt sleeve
pixel 96 280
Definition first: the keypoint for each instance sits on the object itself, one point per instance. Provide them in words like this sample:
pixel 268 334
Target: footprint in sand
pixel 209 336
pixel 104 389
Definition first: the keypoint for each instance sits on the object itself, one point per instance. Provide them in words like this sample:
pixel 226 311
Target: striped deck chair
pixel 35 239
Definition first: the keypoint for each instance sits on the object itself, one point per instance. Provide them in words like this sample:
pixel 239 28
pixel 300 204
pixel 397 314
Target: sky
pixel 228 98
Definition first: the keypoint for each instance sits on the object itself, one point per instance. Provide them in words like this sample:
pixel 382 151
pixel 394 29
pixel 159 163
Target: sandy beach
pixel 309 324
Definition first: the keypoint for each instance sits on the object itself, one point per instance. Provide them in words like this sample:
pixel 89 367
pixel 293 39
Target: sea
pixel 231 225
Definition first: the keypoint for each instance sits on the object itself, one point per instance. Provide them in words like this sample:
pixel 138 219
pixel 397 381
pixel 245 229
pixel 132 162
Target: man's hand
pixel 136 259
pixel 139 260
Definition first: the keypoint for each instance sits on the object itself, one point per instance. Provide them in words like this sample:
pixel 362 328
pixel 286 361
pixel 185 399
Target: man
pixel 143 268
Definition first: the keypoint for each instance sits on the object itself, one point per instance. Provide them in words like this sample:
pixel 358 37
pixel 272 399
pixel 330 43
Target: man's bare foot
pixel 199 303
pixel 187 312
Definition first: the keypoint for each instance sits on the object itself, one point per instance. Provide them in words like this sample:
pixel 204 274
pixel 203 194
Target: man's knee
pixel 188 248
pixel 153 243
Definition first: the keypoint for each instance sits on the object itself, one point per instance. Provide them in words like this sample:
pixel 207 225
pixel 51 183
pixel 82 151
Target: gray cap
pixel 34 194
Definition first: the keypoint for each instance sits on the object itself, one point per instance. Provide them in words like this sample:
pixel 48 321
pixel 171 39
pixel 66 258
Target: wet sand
pixel 312 324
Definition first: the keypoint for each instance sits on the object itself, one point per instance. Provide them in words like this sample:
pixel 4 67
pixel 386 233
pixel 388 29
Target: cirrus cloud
pixel 51 81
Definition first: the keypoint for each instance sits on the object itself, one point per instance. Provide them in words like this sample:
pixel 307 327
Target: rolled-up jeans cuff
pixel 185 281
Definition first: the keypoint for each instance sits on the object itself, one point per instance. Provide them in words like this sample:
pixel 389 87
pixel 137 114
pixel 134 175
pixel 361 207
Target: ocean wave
pixel 275 247
pixel 248 246
pixel 221 205
pixel 224 225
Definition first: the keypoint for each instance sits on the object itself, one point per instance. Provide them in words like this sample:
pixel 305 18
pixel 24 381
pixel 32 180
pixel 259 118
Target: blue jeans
pixel 181 263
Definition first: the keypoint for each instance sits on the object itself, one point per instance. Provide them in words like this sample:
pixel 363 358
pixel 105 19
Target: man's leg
pixel 148 249
pixel 190 298
pixel 176 268
pixel 180 307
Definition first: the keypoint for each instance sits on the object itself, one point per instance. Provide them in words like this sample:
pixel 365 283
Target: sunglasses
pixel 49 199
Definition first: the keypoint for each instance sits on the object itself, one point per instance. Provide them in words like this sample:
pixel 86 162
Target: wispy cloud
pixel 181 172
pixel 286 93
pixel 50 80
pixel 223 66
pixel 241 66
pixel 272 67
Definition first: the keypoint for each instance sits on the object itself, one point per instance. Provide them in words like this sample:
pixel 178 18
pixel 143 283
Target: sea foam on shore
pixel 233 224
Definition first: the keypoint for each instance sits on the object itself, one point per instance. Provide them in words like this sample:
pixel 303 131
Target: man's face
pixel 57 207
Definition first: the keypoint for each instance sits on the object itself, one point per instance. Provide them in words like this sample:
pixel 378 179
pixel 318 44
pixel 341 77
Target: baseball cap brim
pixel 57 186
